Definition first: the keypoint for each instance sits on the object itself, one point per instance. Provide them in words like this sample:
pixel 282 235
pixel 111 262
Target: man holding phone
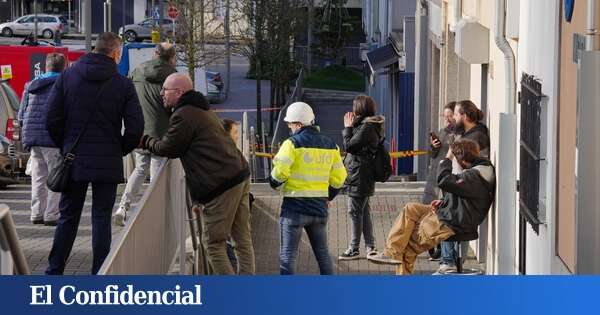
pixel 440 143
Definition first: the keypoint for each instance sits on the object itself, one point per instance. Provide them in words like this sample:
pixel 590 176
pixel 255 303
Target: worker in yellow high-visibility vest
pixel 310 172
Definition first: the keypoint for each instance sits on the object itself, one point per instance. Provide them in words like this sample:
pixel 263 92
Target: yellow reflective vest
pixel 307 164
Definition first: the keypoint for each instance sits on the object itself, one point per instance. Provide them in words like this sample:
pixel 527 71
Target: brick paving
pixel 36 240
pixel 385 207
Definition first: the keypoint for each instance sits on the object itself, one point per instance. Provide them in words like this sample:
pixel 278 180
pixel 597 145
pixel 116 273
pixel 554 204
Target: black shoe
pixel 37 221
pixel 349 254
pixel 51 223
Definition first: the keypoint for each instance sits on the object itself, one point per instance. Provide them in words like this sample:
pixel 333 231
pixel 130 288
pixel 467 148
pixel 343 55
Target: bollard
pixel 155 37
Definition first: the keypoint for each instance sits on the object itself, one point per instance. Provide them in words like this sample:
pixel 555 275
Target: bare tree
pixel 273 24
pixel 200 34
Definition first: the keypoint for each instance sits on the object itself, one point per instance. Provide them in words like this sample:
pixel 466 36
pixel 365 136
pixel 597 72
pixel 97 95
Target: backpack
pixel 382 163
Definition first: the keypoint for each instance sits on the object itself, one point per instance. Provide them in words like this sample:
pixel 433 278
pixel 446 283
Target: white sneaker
pixel 120 216
pixel 381 258
pixel 443 269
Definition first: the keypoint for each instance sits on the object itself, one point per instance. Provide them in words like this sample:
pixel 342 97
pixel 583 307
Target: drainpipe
pixel 457 14
pixel 591 31
pixel 509 56
pixel 506 212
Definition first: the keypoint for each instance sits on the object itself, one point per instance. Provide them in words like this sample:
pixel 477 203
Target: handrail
pixel 9 241
pixel 294 97
pixel 156 230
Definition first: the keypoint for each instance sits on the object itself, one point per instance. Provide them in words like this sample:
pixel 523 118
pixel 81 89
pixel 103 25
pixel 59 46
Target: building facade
pixel 389 60
pixel 524 64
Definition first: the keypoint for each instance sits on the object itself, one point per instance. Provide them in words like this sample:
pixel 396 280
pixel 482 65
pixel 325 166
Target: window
pixel 27 20
pixel 532 156
pixel 47 19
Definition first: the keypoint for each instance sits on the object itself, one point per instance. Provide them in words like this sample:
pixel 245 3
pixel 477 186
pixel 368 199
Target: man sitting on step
pixel 467 200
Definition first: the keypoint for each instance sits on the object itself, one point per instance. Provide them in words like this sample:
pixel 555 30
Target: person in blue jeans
pixel 309 170
pixel 469 124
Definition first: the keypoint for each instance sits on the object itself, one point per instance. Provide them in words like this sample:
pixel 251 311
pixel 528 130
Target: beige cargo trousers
pixel 416 230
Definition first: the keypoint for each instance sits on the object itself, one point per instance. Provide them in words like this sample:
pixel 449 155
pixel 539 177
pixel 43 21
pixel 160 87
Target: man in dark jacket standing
pixel 44 153
pixel 468 119
pixel 467 200
pixel 93 88
pixel 217 174
pixel 148 79
pixel 439 147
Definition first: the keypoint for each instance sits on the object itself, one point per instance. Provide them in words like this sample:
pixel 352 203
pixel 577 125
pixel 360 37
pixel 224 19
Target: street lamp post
pixel 88 25
pixel 35 21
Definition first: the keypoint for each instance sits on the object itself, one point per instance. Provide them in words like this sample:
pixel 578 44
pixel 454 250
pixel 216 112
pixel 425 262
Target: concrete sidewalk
pixel 36 240
pixel 385 207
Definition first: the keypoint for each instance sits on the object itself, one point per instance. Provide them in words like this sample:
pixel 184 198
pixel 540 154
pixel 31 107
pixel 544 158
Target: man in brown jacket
pixel 217 174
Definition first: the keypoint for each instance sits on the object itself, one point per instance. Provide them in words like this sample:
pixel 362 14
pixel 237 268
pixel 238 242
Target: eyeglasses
pixel 167 89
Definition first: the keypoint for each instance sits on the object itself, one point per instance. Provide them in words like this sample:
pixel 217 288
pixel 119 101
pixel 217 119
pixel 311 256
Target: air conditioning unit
pixel 472 41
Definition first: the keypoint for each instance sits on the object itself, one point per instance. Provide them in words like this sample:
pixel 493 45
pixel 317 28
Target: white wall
pixel 538 56
pixel 139 10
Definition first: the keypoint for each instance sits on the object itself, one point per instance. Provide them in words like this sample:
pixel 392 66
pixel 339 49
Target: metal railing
pixel 280 128
pixel 157 230
pixel 11 254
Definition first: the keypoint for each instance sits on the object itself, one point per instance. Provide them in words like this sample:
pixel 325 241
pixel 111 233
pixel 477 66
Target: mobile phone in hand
pixel 433 136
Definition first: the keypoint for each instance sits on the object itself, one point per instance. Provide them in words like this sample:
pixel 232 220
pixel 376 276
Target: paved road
pixel 242 96
pixel 70 43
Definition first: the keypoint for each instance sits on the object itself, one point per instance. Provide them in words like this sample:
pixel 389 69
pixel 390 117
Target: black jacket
pixel 212 162
pixel 360 142
pixel 99 155
pixel 467 196
pixel 481 135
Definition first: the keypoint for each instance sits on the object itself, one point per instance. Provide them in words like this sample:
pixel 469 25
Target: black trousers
pixel 71 205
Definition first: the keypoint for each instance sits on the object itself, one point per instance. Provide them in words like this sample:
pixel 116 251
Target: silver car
pixel 13 158
pixel 143 30
pixel 48 25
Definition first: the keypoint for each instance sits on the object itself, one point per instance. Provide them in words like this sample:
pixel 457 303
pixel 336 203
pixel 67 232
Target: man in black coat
pixel 216 173
pixel 93 88
pixel 468 125
pixel 466 203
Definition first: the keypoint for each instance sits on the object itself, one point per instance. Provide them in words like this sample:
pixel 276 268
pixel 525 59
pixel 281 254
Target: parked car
pixel 143 30
pixel 48 25
pixel 13 159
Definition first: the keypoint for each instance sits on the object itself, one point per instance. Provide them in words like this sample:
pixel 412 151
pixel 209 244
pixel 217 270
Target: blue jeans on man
pixel 449 251
pixel 292 224
pixel 71 206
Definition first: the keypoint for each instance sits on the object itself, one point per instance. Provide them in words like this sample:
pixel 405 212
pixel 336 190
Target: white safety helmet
pixel 300 112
